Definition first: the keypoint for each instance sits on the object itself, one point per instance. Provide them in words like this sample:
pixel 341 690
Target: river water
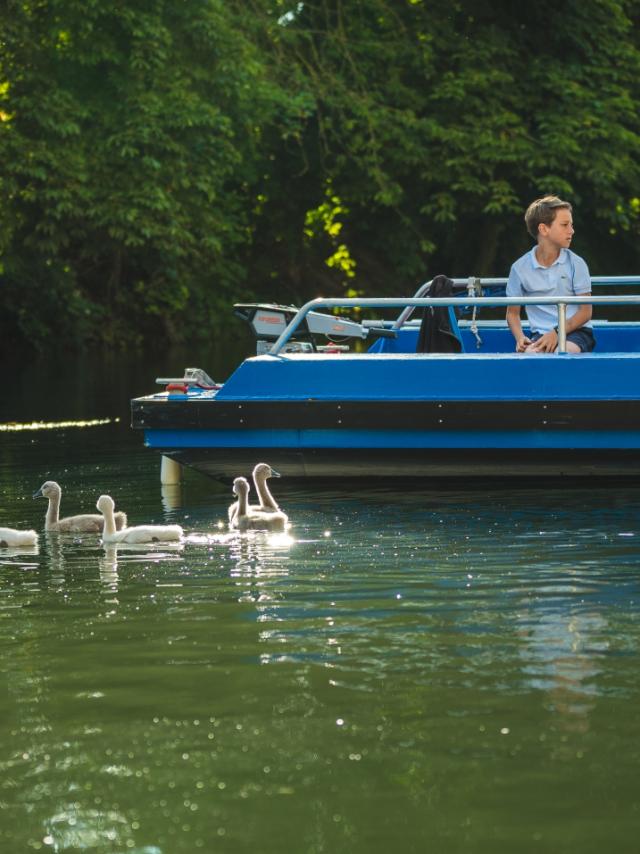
pixel 442 669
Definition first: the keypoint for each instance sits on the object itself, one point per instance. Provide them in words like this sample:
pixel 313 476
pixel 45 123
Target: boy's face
pixel 560 232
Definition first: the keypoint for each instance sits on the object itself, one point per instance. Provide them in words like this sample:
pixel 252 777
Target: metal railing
pixel 485 301
pixel 474 286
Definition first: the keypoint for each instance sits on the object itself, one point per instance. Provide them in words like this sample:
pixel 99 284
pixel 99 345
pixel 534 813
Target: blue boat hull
pixel 395 414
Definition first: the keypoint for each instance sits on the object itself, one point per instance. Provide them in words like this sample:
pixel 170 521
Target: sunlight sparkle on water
pixel 13 427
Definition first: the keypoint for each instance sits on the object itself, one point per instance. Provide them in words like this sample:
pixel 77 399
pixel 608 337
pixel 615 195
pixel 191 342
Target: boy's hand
pixel 547 343
pixel 522 343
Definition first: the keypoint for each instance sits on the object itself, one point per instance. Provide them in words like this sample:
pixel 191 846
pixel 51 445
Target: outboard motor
pixel 268 321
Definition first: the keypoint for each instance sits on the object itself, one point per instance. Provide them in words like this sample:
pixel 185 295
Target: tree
pixel 437 122
pixel 129 135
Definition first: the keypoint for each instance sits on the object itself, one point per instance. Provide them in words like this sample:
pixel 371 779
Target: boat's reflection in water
pixel 565 651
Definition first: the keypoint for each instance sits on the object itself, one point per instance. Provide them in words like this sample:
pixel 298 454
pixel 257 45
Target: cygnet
pixel 85 522
pixel 137 534
pixel 248 519
pixel 11 538
pixel 267 503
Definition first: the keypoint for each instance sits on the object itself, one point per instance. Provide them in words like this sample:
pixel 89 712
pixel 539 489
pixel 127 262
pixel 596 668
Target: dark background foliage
pixel 161 160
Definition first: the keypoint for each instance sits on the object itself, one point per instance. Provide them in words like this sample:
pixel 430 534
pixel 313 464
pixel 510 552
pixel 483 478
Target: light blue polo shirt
pixel 567 276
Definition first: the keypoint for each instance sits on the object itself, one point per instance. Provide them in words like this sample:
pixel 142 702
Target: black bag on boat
pixel 439 328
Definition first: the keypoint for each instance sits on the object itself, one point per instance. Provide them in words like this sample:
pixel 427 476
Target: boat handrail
pixel 474 285
pixel 423 302
pixel 611 281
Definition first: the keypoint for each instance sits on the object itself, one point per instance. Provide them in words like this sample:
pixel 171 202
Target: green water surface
pixel 430 670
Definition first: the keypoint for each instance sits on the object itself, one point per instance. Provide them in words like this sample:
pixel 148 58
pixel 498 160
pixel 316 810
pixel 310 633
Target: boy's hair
pixel 543 210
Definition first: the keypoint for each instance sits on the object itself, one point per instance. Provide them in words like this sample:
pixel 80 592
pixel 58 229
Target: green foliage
pixel 438 122
pixel 162 159
pixel 129 134
pixel 324 223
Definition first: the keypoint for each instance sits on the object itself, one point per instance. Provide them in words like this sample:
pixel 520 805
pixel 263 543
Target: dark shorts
pixel 583 338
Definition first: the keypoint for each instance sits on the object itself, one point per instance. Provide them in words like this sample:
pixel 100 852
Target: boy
pixel 550 269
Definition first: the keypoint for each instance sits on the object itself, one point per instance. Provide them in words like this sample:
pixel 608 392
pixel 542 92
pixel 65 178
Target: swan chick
pixel 10 537
pixel 241 489
pixel 84 522
pixel 248 519
pixel 261 472
pixel 267 503
pixel 136 534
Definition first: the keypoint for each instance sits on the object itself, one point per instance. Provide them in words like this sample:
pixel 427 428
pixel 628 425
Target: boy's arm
pixel 581 280
pixel 514 289
pixel 549 341
pixel 581 287
pixel 583 315
pixel 515 325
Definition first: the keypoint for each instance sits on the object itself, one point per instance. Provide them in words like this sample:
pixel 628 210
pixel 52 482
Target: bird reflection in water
pixel 260 561
pixel 115 554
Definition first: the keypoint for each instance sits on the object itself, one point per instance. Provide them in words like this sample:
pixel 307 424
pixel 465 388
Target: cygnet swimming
pixel 85 522
pixel 11 538
pixel 137 534
pixel 267 503
pixel 248 519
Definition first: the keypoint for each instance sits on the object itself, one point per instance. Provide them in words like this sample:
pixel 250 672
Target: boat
pixel 365 403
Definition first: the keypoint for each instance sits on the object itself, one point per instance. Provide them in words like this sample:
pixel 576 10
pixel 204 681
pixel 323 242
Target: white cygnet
pixel 261 472
pixel 11 538
pixel 136 534
pixel 248 519
pixel 267 503
pixel 85 522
